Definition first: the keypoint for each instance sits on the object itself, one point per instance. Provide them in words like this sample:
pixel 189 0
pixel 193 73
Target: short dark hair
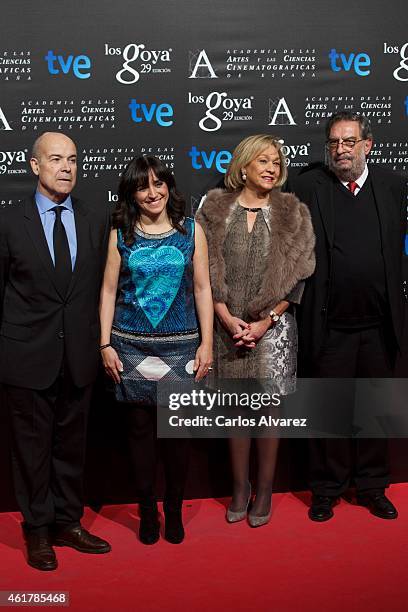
pixel 136 175
pixel 345 115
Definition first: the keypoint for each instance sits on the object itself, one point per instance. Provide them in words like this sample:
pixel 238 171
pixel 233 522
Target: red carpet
pixel 355 562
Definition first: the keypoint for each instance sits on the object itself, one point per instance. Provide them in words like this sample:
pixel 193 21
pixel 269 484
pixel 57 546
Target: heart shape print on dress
pixel 157 274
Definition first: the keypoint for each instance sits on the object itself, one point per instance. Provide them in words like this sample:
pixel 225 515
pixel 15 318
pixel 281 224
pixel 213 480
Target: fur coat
pixel 290 256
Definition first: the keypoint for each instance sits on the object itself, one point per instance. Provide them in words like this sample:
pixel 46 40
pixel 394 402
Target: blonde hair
pixel 245 152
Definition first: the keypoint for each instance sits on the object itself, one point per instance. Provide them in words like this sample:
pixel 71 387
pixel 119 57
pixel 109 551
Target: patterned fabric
pixel 146 360
pixel 275 355
pixel 155 325
pixel 155 289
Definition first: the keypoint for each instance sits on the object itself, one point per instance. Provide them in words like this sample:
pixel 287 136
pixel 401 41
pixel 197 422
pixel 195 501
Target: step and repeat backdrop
pixel 186 81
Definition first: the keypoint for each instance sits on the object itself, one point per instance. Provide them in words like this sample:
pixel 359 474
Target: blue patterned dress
pixel 155 330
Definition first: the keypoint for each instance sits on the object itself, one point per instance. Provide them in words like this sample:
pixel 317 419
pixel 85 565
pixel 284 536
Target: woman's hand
pixel 112 364
pixel 235 326
pixel 253 335
pixel 203 361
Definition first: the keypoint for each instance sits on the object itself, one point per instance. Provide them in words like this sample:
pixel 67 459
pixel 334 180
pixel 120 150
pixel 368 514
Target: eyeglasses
pixel 348 143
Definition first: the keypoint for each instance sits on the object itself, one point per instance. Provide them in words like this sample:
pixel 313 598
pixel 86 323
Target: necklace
pixel 140 226
pixel 251 209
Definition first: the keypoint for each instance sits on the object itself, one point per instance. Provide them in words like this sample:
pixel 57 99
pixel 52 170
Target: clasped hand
pixel 245 334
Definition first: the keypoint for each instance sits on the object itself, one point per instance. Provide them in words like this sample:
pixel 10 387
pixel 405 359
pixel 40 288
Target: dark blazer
pixel 316 189
pixel 37 324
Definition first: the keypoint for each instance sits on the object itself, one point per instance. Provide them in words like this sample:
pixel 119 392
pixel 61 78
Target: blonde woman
pixel 261 248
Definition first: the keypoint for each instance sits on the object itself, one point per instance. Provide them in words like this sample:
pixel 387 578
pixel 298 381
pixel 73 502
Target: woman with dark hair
pixel 260 244
pixel 156 285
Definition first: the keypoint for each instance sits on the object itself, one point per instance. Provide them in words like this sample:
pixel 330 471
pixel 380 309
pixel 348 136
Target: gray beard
pixel 350 174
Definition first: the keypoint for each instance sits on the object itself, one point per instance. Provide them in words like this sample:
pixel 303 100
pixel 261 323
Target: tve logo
pixel 79 65
pixel 161 113
pixel 341 61
pixel 204 159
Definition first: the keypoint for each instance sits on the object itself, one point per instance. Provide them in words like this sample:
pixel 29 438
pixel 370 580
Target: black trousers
pixel 334 463
pixel 48 452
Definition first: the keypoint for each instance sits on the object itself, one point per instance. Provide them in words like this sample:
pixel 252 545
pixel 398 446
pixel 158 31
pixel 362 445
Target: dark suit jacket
pixel 315 188
pixel 37 324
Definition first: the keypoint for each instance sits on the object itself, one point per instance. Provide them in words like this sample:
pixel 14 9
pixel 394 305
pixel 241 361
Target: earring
pixel 243 174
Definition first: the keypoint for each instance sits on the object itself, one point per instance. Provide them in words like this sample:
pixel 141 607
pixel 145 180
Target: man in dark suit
pixel 351 317
pixel 52 253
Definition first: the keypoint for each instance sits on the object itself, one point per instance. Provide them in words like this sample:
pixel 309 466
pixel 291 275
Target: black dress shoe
pixel 173 530
pixel 321 508
pixel 40 553
pixel 149 529
pixel 80 539
pixel 378 504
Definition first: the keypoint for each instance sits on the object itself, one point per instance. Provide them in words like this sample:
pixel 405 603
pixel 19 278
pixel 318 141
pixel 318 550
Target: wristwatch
pixel 274 316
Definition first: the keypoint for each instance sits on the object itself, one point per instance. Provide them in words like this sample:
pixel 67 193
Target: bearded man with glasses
pixel 351 316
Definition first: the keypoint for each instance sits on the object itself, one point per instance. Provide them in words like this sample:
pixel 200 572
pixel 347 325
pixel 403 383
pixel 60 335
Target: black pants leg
pixel 333 462
pixel 48 452
pixel 376 359
pixel 69 453
pixel 176 454
pixel 143 446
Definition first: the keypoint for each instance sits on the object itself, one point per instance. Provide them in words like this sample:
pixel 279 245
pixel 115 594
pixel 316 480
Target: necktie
pixel 63 267
pixel 352 186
